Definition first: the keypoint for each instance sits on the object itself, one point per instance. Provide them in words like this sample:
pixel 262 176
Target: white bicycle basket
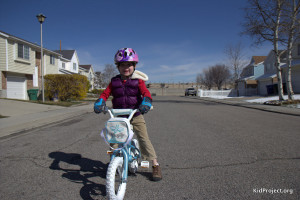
pixel 117 130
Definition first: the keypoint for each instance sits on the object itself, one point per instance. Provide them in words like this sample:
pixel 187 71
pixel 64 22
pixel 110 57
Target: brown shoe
pixel 156 175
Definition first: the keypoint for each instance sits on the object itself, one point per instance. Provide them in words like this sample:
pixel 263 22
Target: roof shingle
pixel 259 59
pixel 68 54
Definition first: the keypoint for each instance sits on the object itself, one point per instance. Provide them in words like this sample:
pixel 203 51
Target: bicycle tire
pixel 115 190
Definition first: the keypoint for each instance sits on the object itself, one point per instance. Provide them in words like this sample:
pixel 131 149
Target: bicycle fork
pixel 122 153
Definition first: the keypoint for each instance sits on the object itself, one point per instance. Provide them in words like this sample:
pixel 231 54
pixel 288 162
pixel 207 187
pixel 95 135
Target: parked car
pixel 190 91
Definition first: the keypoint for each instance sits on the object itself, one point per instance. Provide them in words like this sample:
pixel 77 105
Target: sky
pixel 175 39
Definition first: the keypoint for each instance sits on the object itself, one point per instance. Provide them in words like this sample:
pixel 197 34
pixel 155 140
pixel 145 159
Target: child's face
pixel 126 68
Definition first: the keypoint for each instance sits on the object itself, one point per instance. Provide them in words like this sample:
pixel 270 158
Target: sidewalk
pixel 242 103
pixel 23 116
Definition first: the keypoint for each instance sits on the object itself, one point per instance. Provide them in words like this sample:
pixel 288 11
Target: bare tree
pixel 206 78
pixel 235 58
pixel 262 22
pixel 98 81
pixel 216 75
pixel 220 74
pixel 110 71
pixel 291 28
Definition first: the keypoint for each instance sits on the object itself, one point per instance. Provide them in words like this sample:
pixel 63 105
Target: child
pixel 129 91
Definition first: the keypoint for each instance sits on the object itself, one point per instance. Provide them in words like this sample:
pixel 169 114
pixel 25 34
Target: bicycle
pixel 126 157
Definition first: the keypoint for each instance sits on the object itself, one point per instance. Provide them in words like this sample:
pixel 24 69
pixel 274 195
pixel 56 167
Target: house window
pixel 298 49
pixel 74 66
pixel 63 65
pixel 23 51
pixel 52 60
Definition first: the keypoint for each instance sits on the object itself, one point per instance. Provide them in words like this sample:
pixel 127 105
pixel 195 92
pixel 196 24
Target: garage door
pixel 262 88
pixel 241 87
pixel 296 80
pixel 16 87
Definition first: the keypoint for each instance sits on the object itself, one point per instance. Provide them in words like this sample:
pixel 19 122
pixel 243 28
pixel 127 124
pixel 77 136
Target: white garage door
pixel 16 87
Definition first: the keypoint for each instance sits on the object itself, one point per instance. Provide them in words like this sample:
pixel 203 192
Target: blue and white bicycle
pixel 124 158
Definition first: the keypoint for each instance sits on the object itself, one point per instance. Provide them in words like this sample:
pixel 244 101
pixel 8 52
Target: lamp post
pixel 41 19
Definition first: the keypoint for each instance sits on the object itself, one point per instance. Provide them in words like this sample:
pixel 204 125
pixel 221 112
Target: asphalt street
pixel 207 150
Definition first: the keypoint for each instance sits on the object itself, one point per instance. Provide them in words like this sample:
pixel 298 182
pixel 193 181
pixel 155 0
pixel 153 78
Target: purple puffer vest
pixel 126 95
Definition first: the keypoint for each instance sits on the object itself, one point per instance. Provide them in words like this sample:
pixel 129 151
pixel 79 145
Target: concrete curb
pixel 24 116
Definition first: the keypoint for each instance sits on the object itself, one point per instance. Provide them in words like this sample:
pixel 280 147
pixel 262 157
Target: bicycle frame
pixel 126 150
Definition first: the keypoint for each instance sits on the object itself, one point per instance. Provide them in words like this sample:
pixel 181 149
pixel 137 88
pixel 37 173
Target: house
pixel 247 84
pixel 20 66
pixel 68 62
pixel 295 67
pixel 268 82
pixel 88 71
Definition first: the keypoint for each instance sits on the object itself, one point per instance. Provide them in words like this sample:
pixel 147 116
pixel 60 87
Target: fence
pixel 167 91
pixel 201 93
pixel 217 93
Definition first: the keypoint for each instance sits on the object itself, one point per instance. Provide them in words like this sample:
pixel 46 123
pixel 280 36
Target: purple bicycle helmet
pixel 126 55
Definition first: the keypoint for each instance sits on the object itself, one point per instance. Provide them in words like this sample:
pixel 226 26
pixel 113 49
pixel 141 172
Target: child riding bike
pixel 129 91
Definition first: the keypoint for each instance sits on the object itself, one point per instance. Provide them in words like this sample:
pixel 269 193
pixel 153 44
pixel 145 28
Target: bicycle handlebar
pixel 117 112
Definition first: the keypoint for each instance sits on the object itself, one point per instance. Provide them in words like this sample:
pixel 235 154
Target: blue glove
pixel 99 106
pixel 145 105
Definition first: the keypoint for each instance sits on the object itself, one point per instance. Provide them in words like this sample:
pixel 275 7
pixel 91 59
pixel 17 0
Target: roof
pixel 68 54
pixel 25 41
pixel 251 82
pixel 259 59
pixel 66 71
pixel 247 78
pixel 86 66
pixel 294 63
pixel 266 76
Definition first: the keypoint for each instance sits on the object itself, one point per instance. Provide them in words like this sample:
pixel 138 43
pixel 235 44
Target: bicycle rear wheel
pixel 115 187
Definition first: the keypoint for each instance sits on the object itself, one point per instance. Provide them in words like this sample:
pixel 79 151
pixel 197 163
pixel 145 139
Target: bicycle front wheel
pixel 115 187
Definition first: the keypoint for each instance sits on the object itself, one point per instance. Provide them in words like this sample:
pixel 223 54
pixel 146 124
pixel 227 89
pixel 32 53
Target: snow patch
pixel 262 100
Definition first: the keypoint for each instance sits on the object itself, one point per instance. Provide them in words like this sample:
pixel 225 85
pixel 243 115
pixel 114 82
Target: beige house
pixel 88 71
pixel 20 66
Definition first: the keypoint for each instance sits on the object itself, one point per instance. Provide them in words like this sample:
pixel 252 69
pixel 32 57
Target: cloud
pixel 184 73
pixel 176 64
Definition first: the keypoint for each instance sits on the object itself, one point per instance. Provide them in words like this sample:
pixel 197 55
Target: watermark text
pixel 272 191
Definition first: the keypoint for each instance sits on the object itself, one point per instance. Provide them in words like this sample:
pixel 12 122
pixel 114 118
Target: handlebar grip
pixel 105 109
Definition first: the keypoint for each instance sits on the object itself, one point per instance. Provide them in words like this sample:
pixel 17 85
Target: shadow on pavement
pixel 88 169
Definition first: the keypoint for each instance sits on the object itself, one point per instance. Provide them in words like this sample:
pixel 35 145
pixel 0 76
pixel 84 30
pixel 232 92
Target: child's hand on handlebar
pixel 145 105
pixel 99 106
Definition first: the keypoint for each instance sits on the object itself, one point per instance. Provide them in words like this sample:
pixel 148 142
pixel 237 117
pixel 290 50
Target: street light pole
pixel 41 19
